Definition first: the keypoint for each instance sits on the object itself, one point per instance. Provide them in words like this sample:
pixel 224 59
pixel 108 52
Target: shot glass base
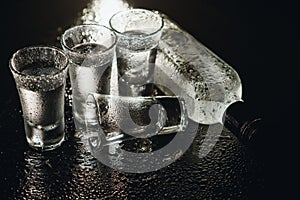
pixel 127 89
pixel 45 138
pixel 79 123
pixel 40 147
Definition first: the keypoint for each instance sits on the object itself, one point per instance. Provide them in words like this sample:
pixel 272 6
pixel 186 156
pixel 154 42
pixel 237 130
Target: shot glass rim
pixel 137 9
pixel 12 65
pixel 63 43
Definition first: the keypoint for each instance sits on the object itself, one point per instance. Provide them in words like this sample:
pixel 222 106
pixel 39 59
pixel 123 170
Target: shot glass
pixel 139 32
pixel 40 76
pixel 113 119
pixel 91 49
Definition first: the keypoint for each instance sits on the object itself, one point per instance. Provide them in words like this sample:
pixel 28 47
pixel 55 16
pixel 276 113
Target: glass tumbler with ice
pixel 40 76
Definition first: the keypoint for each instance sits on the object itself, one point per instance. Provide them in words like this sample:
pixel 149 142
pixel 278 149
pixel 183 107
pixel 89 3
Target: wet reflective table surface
pixel 230 170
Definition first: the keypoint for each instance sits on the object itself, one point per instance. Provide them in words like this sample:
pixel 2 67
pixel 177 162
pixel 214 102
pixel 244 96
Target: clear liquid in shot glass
pixel 136 61
pixel 90 76
pixel 43 108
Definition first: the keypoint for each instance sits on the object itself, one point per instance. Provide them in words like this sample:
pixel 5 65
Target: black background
pixel 257 38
